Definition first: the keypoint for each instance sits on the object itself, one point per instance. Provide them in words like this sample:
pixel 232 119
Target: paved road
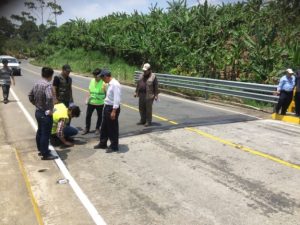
pixel 198 164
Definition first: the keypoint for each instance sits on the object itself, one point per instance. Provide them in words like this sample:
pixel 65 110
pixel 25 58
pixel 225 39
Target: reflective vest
pixel 64 89
pixel 60 112
pixel 97 93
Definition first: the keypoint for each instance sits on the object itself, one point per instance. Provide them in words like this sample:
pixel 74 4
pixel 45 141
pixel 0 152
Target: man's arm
pixel 155 88
pixel 117 100
pixel 54 89
pixel 12 77
pixel 71 92
pixel 60 133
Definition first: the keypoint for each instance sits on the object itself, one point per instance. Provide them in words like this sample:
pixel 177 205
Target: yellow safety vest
pixel 60 112
pixel 97 94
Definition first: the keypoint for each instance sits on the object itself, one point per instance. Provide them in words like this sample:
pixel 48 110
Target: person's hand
pixel 113 115
pixel 135 95
pixel 55 101
pixel 277 93
pixel 155 98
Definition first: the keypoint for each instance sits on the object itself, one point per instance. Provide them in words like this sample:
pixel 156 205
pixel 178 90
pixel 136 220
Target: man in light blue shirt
pixel 285 91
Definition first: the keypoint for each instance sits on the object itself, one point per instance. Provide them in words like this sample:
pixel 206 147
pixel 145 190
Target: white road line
pixel 77 190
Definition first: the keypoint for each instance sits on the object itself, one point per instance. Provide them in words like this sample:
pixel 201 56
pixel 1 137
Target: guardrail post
pixel 206 93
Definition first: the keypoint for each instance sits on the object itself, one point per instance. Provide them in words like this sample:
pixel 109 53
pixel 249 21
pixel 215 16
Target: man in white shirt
pixel 110 123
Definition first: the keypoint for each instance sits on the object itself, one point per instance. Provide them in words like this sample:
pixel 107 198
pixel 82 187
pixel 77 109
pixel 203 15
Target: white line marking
pixel 78 191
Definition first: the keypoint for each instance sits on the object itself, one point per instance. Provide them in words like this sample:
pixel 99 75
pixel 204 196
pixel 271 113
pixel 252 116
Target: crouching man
pixel 62 133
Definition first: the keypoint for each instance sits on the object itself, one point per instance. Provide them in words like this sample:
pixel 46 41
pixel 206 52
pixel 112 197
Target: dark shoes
pixel 85 131
pixel 148 124
pixel 111 149
pixel 101 146
pixel 49 156
pixel 5 101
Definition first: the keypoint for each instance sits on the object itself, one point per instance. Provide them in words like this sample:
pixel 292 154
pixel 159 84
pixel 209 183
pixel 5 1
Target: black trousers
pixel 109 128
pixel 89 112
pixel 297 103
pixel 5 89
pixel 145 108
pixel 285 99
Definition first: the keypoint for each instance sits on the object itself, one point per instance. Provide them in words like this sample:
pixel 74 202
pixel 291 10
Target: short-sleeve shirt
pixel 5 74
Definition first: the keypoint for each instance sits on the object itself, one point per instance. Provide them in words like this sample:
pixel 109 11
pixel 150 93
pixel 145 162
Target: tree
pixel 41 7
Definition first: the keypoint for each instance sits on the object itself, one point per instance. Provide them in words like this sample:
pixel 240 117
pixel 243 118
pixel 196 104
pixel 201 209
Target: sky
pixel 93 9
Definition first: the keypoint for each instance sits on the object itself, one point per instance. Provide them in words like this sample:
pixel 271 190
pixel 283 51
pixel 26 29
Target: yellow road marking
pixel 226 142
pixel 244 148
pixel 28 186
pixel 130 107
pixel 212 137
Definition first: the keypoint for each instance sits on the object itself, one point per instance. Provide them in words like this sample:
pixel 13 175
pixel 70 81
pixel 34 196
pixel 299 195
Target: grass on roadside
pixel 85 62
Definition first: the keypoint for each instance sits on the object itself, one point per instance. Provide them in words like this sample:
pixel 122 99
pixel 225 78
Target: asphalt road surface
pixel 199 164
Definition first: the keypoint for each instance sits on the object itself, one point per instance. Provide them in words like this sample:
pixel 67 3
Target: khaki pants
pixel 145 108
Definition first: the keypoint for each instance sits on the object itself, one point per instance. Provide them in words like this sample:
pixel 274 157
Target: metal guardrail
pixel 259 92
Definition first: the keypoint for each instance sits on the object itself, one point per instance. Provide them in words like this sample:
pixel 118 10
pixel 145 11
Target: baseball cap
pixel 105 73
pixel 146 67
pixel 4 61
pixel 290 71
pixel 67 68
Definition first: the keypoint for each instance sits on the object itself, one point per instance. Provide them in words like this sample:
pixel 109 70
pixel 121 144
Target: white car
pixel 13 63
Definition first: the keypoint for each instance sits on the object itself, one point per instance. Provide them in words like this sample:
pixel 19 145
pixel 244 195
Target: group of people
pixel 287 85
pixel 55 107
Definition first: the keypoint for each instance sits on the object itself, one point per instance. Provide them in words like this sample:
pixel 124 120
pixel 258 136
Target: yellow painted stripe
pixel 246 149
pixel 28 186
pixel 286 118
pixel 79 88
pixel 160 118
pixel 130 107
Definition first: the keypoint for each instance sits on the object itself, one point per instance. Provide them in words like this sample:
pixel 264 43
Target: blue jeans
pixel 43 132
pixel 69 131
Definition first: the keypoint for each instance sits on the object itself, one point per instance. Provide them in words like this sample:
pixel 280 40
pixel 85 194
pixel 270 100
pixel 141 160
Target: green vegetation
pixel 83 61
pixel 250 41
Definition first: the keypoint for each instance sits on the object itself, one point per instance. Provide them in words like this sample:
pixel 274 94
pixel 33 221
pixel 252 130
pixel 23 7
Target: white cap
pixel 146 67
pixel 290 71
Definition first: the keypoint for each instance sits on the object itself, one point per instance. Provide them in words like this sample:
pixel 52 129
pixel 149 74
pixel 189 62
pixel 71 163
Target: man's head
pixel 106 75
pixel 4 62
pixel 97 73
pixel 66 69
pixel 289 72
pixel 74 111
pixel 47 73
pixel 147 69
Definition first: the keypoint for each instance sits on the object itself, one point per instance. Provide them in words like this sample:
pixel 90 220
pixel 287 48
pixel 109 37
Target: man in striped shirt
pixel 41 96
pixel 6 77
